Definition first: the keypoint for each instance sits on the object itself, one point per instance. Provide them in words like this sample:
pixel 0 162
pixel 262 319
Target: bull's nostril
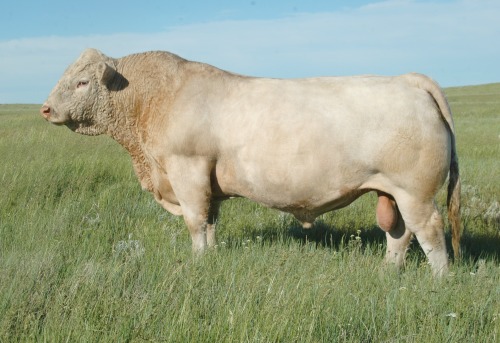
pixel 45 111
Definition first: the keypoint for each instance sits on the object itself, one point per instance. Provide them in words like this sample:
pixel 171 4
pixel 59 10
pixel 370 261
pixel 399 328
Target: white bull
pixel 198 135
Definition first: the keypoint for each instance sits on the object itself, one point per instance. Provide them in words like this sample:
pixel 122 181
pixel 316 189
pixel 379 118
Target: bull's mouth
pixel 85 127
pixel 57 121
pixel 51 116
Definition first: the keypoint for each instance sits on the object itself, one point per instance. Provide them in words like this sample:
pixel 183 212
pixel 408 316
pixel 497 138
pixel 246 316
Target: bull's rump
pixel 318 143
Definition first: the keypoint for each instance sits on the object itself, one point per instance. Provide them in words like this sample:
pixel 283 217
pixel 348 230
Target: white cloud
pixel 454 42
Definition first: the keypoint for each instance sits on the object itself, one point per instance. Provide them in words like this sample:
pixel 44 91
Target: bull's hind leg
pixel 397 243
pixel 423 219
pixel 389 219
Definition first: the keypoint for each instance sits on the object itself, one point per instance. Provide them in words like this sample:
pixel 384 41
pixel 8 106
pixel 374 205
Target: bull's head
pixel 81 98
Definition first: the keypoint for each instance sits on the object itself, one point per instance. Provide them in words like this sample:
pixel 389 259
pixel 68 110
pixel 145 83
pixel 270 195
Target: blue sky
pixel 456 42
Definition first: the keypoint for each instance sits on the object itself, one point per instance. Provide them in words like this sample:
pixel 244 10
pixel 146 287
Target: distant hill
pixel 485 89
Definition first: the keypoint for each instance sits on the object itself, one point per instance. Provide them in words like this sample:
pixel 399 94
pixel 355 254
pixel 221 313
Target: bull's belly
pixel 306 212
pixel 305 195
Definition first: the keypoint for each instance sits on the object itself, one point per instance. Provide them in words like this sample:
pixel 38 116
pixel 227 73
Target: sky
pixel 456 42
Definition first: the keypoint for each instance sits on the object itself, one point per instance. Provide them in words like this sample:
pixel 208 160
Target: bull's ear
pixel 105 73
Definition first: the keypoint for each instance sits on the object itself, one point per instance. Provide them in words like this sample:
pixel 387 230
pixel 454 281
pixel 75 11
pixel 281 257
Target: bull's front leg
pixel 190 179
pixel 197 225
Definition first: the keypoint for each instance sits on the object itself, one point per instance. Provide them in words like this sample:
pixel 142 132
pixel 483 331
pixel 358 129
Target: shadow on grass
pixel 474 247
pixel 479 246
pixel 322 234
pixel 328 236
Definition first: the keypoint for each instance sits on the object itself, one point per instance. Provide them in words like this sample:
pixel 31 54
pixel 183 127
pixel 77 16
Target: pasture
pixel 86 255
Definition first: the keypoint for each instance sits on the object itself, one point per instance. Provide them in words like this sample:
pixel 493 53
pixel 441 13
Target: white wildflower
pixel 92 217
pixel 130 247
pixel 493 212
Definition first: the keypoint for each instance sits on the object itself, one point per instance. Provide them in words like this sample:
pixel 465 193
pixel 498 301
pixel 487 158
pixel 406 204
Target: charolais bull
pixel 198 135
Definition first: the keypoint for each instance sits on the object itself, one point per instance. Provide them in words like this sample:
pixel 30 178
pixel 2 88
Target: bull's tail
pixel 453 200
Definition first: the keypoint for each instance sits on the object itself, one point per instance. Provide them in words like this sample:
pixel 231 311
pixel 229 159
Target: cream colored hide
pixel 198 135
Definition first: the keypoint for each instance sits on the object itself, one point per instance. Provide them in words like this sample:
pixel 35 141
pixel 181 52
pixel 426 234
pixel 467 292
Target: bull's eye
pixel 82 84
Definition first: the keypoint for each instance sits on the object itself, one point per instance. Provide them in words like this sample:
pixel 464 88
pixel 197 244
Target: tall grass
pixel 85 255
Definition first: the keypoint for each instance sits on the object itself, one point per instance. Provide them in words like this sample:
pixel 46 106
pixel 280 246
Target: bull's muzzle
pixel 45 111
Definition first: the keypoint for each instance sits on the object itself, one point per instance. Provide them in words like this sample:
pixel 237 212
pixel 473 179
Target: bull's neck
pixel 127 105
pixel 124 130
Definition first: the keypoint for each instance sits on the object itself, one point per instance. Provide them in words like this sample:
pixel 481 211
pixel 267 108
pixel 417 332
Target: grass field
pixel 86 256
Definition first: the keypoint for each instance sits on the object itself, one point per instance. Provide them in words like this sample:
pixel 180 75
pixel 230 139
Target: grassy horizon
pixel 85 255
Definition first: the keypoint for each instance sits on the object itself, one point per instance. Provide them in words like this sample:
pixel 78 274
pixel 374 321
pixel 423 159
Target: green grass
pixel 86 256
